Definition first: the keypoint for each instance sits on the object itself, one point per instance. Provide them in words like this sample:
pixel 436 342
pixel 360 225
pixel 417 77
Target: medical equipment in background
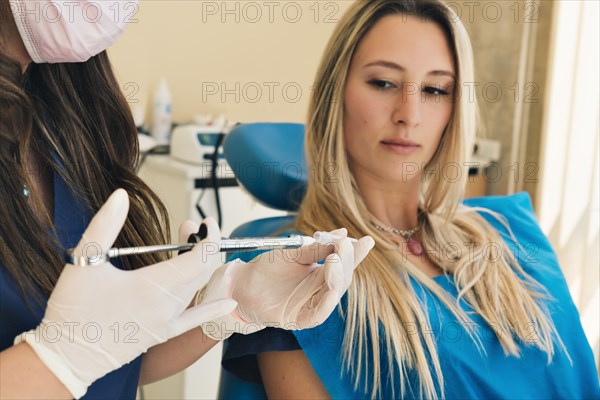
pixel 485 153
pixel 195 144
pixel 163 113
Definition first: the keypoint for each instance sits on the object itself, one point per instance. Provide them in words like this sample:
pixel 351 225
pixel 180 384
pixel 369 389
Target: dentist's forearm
pixel 175 355
pixel 24 376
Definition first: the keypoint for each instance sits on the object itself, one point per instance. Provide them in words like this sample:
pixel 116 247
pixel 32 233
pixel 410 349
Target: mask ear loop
pixel 18 10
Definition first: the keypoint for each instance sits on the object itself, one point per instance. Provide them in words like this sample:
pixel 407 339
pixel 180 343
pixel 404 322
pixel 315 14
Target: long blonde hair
pixel 497 288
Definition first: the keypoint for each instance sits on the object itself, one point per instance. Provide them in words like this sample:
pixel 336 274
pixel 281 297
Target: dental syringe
pixel 239 244
pixel 225 245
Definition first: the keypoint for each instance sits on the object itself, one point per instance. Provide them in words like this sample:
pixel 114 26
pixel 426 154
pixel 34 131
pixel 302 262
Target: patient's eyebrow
pixel 398 67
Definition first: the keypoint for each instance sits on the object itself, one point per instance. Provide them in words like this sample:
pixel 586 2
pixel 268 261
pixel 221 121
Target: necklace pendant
pixel 415 247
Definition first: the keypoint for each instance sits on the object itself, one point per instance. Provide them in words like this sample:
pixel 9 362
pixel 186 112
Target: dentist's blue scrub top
pixel 70 218
pixel 468 373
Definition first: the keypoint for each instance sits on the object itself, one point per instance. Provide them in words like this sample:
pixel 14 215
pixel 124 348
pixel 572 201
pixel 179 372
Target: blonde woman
pixel 455 300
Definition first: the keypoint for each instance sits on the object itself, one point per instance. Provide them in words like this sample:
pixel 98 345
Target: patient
pixel 456 300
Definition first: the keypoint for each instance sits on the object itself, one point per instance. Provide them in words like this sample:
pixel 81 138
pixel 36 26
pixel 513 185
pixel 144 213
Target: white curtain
pixel 568 200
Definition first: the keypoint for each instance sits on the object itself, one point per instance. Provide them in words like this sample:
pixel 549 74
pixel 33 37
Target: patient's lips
pixel 400 146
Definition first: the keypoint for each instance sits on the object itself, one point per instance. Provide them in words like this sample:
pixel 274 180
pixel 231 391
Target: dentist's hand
pixel 283 288
pixel 99 317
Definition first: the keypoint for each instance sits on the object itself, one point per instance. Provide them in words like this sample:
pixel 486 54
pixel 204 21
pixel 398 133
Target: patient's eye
pixel 381 84
pixel 435 90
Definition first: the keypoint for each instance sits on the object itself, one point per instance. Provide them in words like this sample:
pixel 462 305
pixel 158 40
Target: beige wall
pixel 261 66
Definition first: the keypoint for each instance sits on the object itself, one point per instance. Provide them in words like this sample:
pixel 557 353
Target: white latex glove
pixel 99 317
pixel 283 288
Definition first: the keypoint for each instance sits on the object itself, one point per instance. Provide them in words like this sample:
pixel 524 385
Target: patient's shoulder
pixel 512 216
pixel 525 239
pixel 515 209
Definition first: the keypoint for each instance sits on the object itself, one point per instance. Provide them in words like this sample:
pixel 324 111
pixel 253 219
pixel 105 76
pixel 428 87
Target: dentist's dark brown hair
pixel 76 118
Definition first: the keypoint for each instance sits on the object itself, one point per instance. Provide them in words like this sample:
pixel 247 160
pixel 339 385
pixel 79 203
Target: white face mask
pixel 56 31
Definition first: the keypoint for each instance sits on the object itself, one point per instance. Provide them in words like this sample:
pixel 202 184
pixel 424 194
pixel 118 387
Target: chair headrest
pixel 268 161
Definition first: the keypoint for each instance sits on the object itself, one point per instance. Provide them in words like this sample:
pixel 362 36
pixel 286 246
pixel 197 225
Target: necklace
pixel 414 246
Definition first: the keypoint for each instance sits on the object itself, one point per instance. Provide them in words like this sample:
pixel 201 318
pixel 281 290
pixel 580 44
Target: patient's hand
pixel 285 288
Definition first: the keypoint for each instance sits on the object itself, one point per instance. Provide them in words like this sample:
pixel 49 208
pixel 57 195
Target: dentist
pixel 68 148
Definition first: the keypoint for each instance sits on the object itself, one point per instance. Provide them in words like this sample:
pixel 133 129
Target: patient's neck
pixel 393 204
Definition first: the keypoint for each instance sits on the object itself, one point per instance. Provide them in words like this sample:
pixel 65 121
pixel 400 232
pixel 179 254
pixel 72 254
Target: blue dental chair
pixel 268 161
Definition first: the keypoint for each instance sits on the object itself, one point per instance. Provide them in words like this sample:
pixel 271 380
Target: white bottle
pixel 161 127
